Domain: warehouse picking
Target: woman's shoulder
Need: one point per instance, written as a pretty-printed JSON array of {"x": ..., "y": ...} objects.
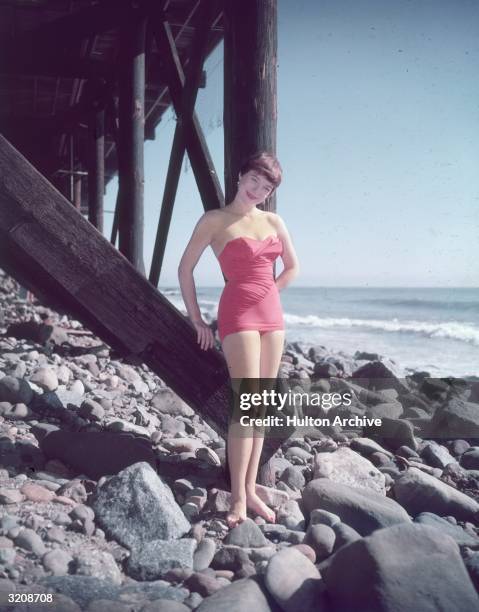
[
  {"x": 210, "y": 222},
  {"x": 275, "y": 219},
  {"x": 209, "y": 217}
]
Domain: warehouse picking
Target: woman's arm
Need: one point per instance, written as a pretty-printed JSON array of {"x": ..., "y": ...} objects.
[
  {"x": 200, "y": 239},
  {"x": 289, "y": 257}
]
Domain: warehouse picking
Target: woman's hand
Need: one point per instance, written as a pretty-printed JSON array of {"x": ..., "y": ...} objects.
[{"x": 205, "y": 334}]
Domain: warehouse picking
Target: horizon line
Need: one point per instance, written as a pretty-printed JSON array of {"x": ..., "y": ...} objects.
[{"x": 349, "y": 287}]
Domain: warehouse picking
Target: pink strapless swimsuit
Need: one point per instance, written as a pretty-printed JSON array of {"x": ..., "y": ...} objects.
[{"x": 250, "y": 298}]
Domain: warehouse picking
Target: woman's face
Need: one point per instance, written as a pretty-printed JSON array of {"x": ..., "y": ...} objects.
[{"x": 254, "y": 187}]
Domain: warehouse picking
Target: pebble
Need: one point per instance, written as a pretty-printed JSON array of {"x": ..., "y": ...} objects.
[
  {"x": 100, "y": 540},
  {"x": 45, "y": 378}
]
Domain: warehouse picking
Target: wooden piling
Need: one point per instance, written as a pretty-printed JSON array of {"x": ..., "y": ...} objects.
[
  {"x": 250, "y": 112},
  {"x": 250, "y": 107},
  {"x": 131, "y": 139},
  {"x": 96, "y": 169},
  {"x": 77, "y": 192}
]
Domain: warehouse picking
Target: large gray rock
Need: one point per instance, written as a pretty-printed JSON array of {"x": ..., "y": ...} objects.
[
  {"x": 456, "y": 419},
  {"x": 470, "y": 459},
  {"x": 98, "y": 563},
  {"x": 349, "y": 468},
  {"x": 294, "y": 582},
  {"x": 345, "y": 534},
  {"x": 321, "y": 538},
  {"x": 87, "y": 589},
  {"x": 167, "y": 402},
  {"x": 136, "y": 506},
  {"x": 407, "y": 567},
  {"x": 376, "y": 375},
  {"x": 367, "y": 447},
  {"x": 289, "y": 514},
  {"x": 15, "y": 390},
  {"x": 457, "y": 533},
  {"x": 247, "y": 533},
  {"x": 421, "y": 492},
  {"x": 153, "y": 559},
  {"x": 243, "y": 595},
  {"x": 362, "y": 509},
  {"x": 392, "y": 410},
  {"x": 471, "y": 562},
  {"x": 230, "y": 557},
  {"x": 393, "y": 433},
  {"x": 437, "y": 455},
  {"x": 204, "y": 554},
  {"x": 45, "y": 378}
]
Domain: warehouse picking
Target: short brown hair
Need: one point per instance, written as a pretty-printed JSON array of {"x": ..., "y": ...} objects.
[{"x": 266, "y": 164}]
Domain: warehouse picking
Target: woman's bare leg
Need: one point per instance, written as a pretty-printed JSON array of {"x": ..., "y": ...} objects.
[
  {"x": 272, "y": 344},
  {"x": 242, "y": 354}
]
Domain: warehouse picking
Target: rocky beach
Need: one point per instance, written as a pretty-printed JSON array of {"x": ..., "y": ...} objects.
[{"x": 113, "y": 492}]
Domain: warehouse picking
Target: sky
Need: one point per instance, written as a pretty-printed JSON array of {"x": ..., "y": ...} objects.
[{"x": 378, "y": 137}]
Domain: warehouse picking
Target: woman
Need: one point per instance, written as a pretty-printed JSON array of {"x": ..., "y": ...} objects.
[{"x": 246, "y": 241}]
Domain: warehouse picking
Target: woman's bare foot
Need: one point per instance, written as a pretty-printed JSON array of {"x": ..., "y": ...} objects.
[
  {"x": 256, "y": 504},
  {"x": 237, "y": 513}
]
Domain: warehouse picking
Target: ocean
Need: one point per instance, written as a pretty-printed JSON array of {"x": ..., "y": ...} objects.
[{"x": 432, "y": 329}]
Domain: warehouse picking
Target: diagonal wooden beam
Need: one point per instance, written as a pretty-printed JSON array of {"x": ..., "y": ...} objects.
[
  {"x": 54, "y": 251},
  {"x": 201, "y": 162},
  {"x": 183, "y": 126}
]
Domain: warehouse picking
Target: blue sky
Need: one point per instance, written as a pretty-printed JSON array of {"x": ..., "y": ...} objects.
[{"x": 378, "y": 136}]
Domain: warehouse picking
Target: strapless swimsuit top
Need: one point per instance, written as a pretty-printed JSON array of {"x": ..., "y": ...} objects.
[
  {"x": 250, "y": 298},
  {"x": 245, "y": 258}
]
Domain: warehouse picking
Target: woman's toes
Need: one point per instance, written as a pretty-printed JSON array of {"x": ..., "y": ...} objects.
[
  {"x": 232, "y": 519},
  {"x": 237, "y": 514},
  {"x": 258, "y": 506}
]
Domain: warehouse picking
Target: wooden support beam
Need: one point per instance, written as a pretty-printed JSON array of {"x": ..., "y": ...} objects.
[
  {"x": 131, "y": 139},
  {"x": 183, "y": 126},
  {"x": 203, "y": 168},
  {"x": 250, "y": 107},
  {"x": 55, "y": 252},
  {"x": 77, "y": 192},
  {"x": 96, "y": 168},
  {"x": 250, "y": 57}
]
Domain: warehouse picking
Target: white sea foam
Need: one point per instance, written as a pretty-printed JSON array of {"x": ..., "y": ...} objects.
[{"x": 452, "y": 330}]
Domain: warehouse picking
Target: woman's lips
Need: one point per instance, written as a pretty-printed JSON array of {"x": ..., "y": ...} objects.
[{"x": 251, "y": 197}]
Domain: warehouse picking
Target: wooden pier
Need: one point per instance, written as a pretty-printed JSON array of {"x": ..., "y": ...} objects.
[{"x": 83, "y": 85}]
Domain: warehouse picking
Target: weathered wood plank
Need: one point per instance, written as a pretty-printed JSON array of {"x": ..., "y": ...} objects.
[{"x": 54, "y": 251}]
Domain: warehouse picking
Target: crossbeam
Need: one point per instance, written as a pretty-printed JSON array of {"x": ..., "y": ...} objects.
[
  {"x": 183, "y": 127},
  {"x": 200, "y": 158}
]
